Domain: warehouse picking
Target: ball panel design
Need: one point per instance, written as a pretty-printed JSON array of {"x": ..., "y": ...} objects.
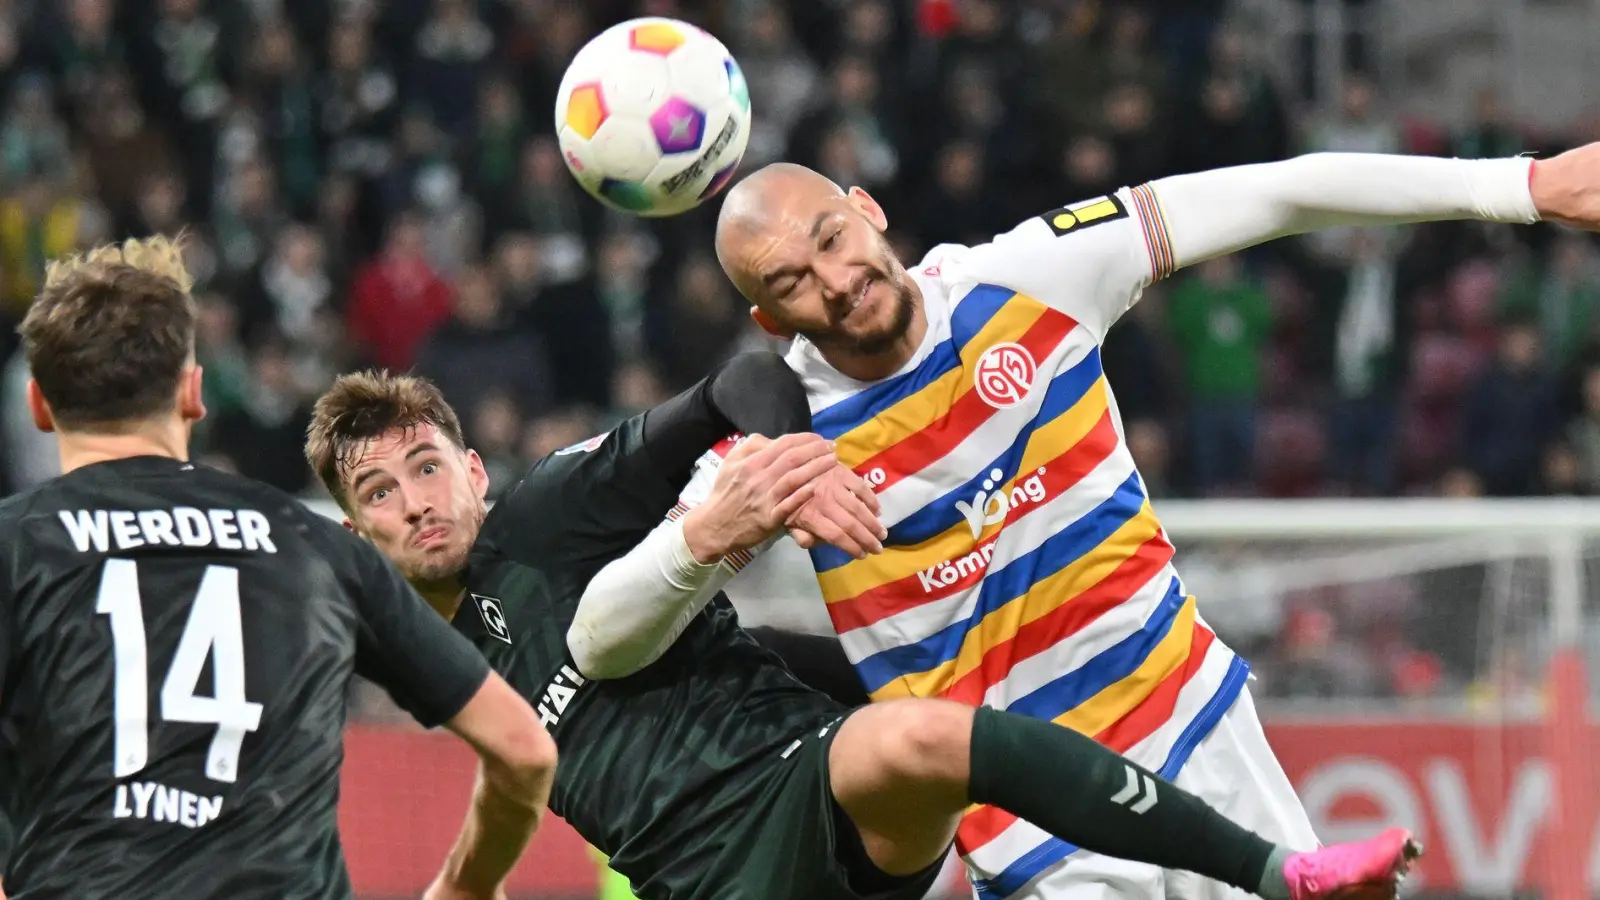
[
  {"x": 636, "y": 85},
  {"x": 698, "y": 75},
  {"x": 629, "y": 195},
  {"x": 623, "y": 148},
  {"x": 737, "y": 88},
  {"x": 656, "y": 37},
  {"x": 586, "y": 110},
  {"x": 678, "y": 126},
  {"x": 718, "y": 182}
]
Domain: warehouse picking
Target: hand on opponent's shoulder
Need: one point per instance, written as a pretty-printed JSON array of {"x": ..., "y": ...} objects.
[{"x": 794, "y": 482}]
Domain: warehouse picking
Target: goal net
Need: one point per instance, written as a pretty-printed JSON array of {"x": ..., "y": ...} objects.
[{"x": 1420, "y": 663}]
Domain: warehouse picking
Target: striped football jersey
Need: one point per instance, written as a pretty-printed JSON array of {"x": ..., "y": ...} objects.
[{"x": 1024, "y": 569}]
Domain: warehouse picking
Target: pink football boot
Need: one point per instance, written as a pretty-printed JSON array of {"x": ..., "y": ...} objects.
[{"x": 1365, "y": 870}]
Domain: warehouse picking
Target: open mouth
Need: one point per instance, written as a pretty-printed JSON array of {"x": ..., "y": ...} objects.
[{"x": 862, "y": 296}]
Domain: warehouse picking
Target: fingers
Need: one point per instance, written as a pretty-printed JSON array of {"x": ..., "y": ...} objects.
[
  {"x": 867, "y": 495},
  {"x": 838, "y": 516},
  {"x": 794, "y": 449},
  {"x": 856, "y": 500},
  {"x": 748, "y": 447},
  {"x": 858, "y": 527},
  {"x": 791, "y": 504},
  {"x": 803, "y": 538},
  {"x": 825, "y": 529},
  {"x": 806, "y": 472}
]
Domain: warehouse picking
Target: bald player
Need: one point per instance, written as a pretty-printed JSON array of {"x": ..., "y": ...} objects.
[{"x": 1024, "y": 569}]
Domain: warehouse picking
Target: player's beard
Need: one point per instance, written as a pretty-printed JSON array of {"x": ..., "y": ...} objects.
[
  {"x": 446, "y": 564},
  {"x": 879, "y": 340}
]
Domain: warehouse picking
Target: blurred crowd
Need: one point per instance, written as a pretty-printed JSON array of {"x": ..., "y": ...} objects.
[{"x": 378, "y": 183}]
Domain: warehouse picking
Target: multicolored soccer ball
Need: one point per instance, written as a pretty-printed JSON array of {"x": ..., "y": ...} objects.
[{"x": 653, "y": 116}]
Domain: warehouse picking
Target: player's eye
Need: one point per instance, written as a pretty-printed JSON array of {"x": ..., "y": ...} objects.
[
  {"x": 830, "y": 240},
  {"x": 377, "y": 495},
  {"x": 429, "y": 468}
]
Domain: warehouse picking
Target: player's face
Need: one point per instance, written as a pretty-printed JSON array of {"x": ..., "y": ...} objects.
[
  {"x": 419, "y": 499},
  {"x": 823, "y": 270}
]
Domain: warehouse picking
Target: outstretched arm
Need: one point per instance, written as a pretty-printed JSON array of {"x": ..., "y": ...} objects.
[
  {"x": 1212, "y": 213},
  {"x": 1092, "y": 260}
]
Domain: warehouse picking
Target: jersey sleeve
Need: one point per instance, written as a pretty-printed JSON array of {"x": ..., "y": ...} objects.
[
  {"x": 1091, "y": 260},
  {"x": 409, "y": 650},
  {"x": 591, "y": 502}
]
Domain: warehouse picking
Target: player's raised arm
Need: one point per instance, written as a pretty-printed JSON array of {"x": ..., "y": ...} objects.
[
  {"x": 1093, "y": 259},
  {"x": 1208, "y": 214}
]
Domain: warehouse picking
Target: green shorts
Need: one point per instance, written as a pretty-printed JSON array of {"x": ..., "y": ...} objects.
[{"x": 801, "y": 845}]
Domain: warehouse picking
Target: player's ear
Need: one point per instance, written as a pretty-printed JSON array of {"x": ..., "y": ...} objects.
[
  {"x": 770, "y": 325},
  {"x": 191, "y": 394},
  {"x": 39, "y": 409},
  {"x": 869, "y": 207},
  {"x": 477, "y": 474}
]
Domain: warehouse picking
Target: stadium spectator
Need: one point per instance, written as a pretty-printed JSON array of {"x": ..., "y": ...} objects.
[
  {"x": 1562, "y": 297},
  {"x": 272, "y": 415},
  {"x": 1582, "y": 433},
  {"x": 1491, "y": 131},
  {"x": 1221, "y": 321},
  {"x": 1369, "y": 329},
  {"x": 1509, "y": 413},
  {"x": 398, "y": 299},
  {"x": 474, "y": 355}
]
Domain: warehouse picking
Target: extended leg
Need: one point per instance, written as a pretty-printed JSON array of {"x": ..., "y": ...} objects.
[{"x": 904, "y": 771}]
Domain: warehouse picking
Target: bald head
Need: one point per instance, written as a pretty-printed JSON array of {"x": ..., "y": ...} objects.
[
  {"x": 813, "y": 261},
  {"x": 756, "y": 206}
]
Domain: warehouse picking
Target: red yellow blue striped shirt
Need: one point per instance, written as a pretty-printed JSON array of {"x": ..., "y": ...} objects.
[{"x": 1024, "y": 568}]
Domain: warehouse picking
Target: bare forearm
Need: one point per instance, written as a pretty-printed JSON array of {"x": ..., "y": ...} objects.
[
  {"x": 1212, "y": 213},
  {"x": 505, "y": 813}
]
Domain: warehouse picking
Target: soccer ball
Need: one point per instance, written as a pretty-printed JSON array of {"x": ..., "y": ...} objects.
[{"x": 653, "y": 116}]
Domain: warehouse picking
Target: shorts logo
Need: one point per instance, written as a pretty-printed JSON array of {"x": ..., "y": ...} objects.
[
  {"x": 494, "y": 617},
  {"x": 1004, "y": 375},
  {"x": 1083, "y": 215}
]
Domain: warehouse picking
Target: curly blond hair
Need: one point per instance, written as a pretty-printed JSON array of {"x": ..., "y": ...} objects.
[
  {"x": 160, "y": 256},
  {"x": 111, "y": 333}
]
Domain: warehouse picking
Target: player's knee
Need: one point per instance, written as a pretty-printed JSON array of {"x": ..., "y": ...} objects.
[{"x": 927, "y": 741}]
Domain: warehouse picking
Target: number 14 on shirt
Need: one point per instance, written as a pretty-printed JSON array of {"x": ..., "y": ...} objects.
[{"x": 214, "y": 630}]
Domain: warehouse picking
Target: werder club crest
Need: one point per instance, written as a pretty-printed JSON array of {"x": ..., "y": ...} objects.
[{"x": 494, "y": 617}]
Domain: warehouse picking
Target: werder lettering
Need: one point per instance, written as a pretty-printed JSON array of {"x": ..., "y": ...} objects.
[{"x": 100, "y": 530}]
